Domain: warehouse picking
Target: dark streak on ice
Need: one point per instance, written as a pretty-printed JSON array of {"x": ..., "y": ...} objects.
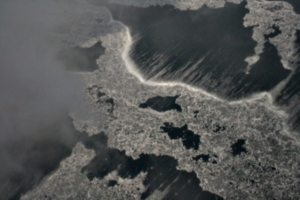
[
  {"x": 217, "y": 128},
  {"x": 162, "y": 104},
  {"x": 189, "y": 139},
  {"x": 112, "y": 103},
  {"x": 196, "y": 112},
  {"x": 161, "y": 171}
]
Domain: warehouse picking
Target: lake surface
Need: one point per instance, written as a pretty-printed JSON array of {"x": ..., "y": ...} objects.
[
  {"x": 205, "y": 48},
  {"x": 290, "y": 95},
  {"x": 162, "y": 104}
]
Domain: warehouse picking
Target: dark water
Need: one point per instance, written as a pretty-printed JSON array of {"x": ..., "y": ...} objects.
[
  {"x": 276, "y": 32},
  {"x": 112, "y": 104},
  {"x": 203, "y": 157},
  {"x": 204, "y": 48},
  {"x": 102, "y": 98},
  {"x": 206, "y": 158},
  {"x": 189, "y": 139},
  {"x": 35, "y": 157},
  {"x": 294, "y": 3},
  {"x": 162, "y": 104},
  {"x": 81, "y": 59},
  {"x": 161, "y": 171},
  {"x": 238, "y": 147},
  {"x": 290, "y": 95},
  {"x": 292, "y": 90},
  {"x": 262, "y": 73},
  {"x": 112, "y": 183},
  {"x": 218, "y": 128}
]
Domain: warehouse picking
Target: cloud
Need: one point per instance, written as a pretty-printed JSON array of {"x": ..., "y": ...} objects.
[{"x": 35, "y": 91}]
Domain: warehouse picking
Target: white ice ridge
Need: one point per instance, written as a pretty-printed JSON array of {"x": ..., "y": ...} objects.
[
  {"x": 283, "y": 17},
  {"x": 133, "y": 69}
]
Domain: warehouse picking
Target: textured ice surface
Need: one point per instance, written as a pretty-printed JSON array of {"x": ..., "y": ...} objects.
[{"x": 268, "y": 170}]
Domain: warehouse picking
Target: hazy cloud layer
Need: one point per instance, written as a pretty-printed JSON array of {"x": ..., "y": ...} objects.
[{"x": 36, "y": 92}]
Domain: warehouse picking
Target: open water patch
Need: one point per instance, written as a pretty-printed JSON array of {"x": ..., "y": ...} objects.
[
  {"x": 162, "y": 173},
  {"x": 162, "y": 104},
  {"x": 189, "y": 139},
  {"x": 238, "y": 147},
  {"x": 205, "y": 48}
]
